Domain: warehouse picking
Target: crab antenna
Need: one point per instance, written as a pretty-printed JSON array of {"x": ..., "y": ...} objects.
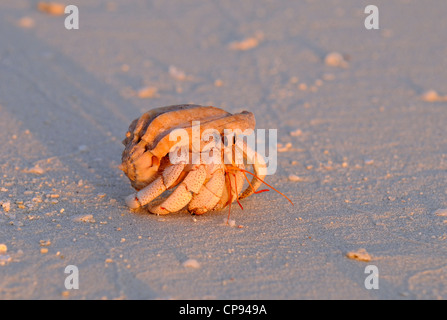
[
  {"x": 234, "y": 167},
  {"x": 229, "y": 198},
  {"x": 237, "y": 193},
  {"x": 230, "y": 192},
  {"x": 251, "y": 186},
  {"x": 245, "y": 171}
]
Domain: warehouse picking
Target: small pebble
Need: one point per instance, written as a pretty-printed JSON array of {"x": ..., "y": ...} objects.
[
  {"x": 284, "y": 148},
  {"x": 247, "y": 43},
  {"x": 294, "y": 79},
  {"x": 433, "y": 96},
  {"x": 229, "y": 222},
  {"x": 177, "y": 73},
  {"x": 148, "y": 92},
  {"x": 125, "y": 67},
  {"x": 191, "y": 263},
  {"x": 44, "y": 243},
  {"x": 302, "y": 86},
  {"x": 52, "y": 8},
  {"x": 84, "y": 218},
  {"x": 296, "y": 133},
  {"x": 295, "y": 178},
  {"x": 26, "y": 22},
  {"x": 335, "y": 59},
  {"x": 6, "y": 206},
  {"x": 35, "y": 170},
  {"x": 37, "y": 200},
  {"x": 3, "y": 248},
  {"x": 4, "y": 259},
  {"x": 50, "y": 195}
]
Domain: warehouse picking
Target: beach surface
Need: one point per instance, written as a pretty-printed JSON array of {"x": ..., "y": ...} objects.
[{"x": 361, "y": 118}]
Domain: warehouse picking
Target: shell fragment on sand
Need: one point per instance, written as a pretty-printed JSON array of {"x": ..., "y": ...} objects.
[
  {"x": 84, "y": 218},
  {"x": 35, "y": 170},
  {"x": 441, "y": 212},
  {"x": 247, "y": 43},
  {"x": 360, "y": 255},
  {"x": 191, "y": 263},
  {"x": 295, "y": 178}
]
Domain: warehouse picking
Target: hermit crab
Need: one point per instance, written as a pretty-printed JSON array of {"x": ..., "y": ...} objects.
[{"x": 155, "y": 160}]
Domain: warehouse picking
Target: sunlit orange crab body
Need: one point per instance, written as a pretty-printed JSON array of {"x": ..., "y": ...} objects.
[{"x": 202, "y": 187}]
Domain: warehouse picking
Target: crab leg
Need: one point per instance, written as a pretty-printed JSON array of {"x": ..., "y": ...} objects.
[
  {"x": 156, "y": 188},
  {"x": 183, "y": 193},
  {"x": 259, "y": 167},
  {"x": 210, "y": 193},
  {"x": 234, "y": 182}
]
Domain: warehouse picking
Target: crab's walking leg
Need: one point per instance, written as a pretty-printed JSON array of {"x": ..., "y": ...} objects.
[
  {"x": 183, "y": 193},
  {"x": 210, "y": 193},
  {"x": 234, "y": 182},
  {"x": 157, "y": 187},
  {"x": 259, "y": 167}
]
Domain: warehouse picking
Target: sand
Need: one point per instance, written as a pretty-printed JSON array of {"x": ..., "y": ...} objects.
[{"x": 369, "y": 147}]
